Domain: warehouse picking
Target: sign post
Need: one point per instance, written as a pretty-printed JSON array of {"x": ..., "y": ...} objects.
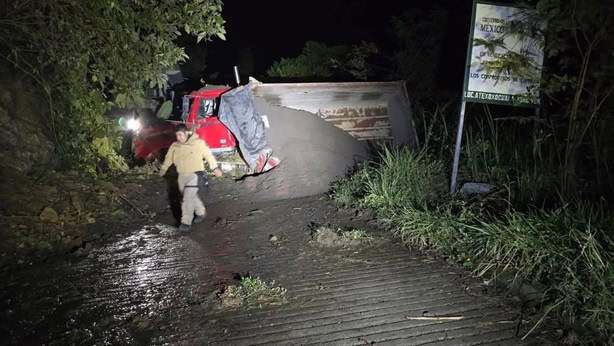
[
  {"x": 459, "y": 138},
  {"x": 504, "y": 62}
]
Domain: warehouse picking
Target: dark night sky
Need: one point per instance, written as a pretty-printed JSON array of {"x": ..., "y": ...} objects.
[{"x": 276, "y": 29}]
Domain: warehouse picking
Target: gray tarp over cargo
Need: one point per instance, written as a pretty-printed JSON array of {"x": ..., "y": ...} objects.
[
  {"x": 313, "y": 153},
  {"x": 238, "y": 114}
]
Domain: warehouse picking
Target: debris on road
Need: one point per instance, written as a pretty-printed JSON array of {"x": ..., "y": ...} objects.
[
  {"x": 252, "y": 292},
  {"x": 434, "y": 318},
  {"x": 49, "y": 215},
  {"x": 329, "y": 237}
]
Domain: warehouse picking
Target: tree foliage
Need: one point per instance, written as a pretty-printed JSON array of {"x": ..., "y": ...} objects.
[
  {"x": 88, "y": 55},
  {"x": 416, "y": 57},
  {"x": 318, "y": 60},
  {"x": 315, "y": 60},
  {"x": 577, "y": 85},
  {"x": 579, "y": 42},
  {"x": 355, "y": 62}
]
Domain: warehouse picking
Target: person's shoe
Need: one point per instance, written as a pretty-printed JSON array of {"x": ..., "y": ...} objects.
[
  {"x": 184, "y": 228},
  {"x": 199, "y": 218}
]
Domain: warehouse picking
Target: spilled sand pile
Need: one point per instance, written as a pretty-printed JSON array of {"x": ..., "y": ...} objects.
[{"x": 313, "y": 154}]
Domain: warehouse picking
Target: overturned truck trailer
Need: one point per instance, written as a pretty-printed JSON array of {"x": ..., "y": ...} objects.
[
  {"x": 319, "y": 131},
  {"x": 365, "y": 110}
]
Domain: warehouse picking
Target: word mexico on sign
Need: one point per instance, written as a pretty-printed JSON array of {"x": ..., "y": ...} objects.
[{"x": 504, "y": 60}]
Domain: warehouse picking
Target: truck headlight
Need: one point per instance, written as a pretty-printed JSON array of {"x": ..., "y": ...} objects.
[{"x": 133, "y": 124}]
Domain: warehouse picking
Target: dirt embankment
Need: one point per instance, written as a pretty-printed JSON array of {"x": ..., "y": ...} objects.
[
  {"x": 26, "y": 143},
  {"x": 64, "y": 213}
]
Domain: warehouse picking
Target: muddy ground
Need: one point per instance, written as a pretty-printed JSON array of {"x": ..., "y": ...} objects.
[{"x": 123, "y": 275}]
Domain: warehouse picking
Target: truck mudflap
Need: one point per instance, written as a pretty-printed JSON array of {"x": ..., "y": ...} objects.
[{"x": 265, "y": 162}]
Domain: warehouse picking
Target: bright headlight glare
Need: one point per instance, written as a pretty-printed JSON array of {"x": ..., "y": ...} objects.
[{"x": 133, "y": 124}]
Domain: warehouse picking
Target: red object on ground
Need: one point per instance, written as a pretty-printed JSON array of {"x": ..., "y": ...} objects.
[{"x": 200, "y": 110}]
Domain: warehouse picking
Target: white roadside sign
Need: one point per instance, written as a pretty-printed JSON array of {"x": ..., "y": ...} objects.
[{"x": 502, "y": 40}]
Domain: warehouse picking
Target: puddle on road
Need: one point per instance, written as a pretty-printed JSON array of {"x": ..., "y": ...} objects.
[{"x": 128, "y": 291}]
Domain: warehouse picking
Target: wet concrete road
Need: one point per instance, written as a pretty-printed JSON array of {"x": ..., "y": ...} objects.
[{"x": 149, "y": 285}]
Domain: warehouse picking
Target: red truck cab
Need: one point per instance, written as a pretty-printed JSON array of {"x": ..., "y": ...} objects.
[
  {"x": 200, "y": 109},
  {"x": 200, "y": 112}
]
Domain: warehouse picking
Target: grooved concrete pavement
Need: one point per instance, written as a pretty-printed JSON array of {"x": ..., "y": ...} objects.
[{"x": 150, "y": 286}]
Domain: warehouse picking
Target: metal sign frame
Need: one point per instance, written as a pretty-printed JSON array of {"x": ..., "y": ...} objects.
[
  {"x": 483, "y": 96},
  {"x": 513, "y": 90}
]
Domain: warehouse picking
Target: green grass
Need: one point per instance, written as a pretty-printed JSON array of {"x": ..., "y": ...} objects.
[
  {"x": 357, "y": 234},
  {"x": 340, "y": 237},
  {"x": 395, "y": 181},
  {"x": 254, "y": 292},
  {"x": 517, "y": 152}
]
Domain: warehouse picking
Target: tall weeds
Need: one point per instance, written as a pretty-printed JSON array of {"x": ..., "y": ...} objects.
[
  {"x": 400, "y": 179},
  {"x": 505, "y": 151}
]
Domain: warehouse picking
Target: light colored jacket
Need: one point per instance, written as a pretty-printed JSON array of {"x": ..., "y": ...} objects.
[{"x": 188, "y": 157}]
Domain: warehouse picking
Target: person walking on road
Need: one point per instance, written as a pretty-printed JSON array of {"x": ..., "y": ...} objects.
[{"x": 187, "y": 154}]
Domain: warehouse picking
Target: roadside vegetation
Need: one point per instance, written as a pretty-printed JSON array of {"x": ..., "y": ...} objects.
[
  {"x": 357, "y": 234},
  {"x": 83, "y": 57},
  {"x": 252, "y": 292},
  {"x": 340, "y": 238}
]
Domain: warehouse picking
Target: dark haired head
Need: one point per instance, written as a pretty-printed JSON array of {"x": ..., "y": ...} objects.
[{"x": 181, "y": 128}]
